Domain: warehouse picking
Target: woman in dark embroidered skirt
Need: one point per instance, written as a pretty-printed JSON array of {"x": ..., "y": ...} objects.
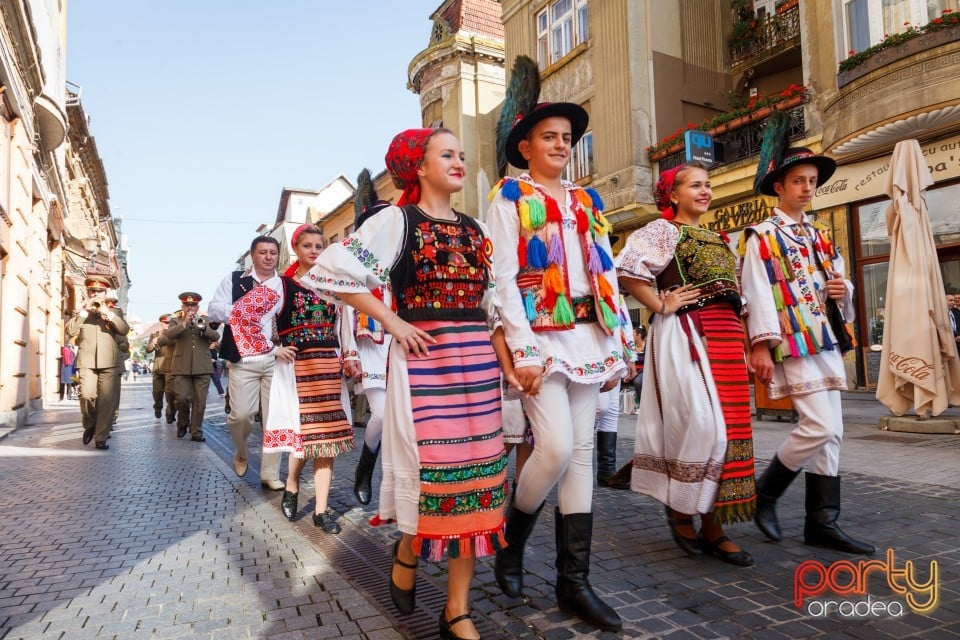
[
  {"x": 694, "y": 446},
  {"x": 444, "y": 465}
]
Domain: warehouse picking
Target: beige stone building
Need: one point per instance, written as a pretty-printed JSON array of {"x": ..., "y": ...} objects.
[{"x": 55, "y": 227}]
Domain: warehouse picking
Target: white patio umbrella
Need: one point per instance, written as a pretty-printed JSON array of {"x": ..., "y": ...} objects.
[{"x": 919, "y": 367}]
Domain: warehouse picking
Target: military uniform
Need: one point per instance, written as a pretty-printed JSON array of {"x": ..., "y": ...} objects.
[
  {"x": 123, "y": 346},
  {"x": 192, "y": 367},
  {"x": 160, "y": 352},
  {"x": 95, "y": 332}
]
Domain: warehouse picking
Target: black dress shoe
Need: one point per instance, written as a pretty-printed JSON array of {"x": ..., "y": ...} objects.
[
  {"x": 170, "y": 419},
  {"x": 740, "y": 558},
  {"x": 326, "y": 521},
  {"x": 288, "y": 504},
  {"x": 157, "y": 412},
  {"x": 444, "y": 625},
  {"x": 101, "y": 445},
  {"x": 181, "y": 431},
  {"x": 405, "y": 600},
  {"x": 690, "y": 546},
  {"x": 87, "y": 436},
  {"x": 198, "y": 438}
]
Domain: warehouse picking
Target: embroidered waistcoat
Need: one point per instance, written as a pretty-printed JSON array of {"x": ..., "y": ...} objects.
[
  {"x": 703, "y": 260},
  {"x": 442, "y": 272},
  {"x": 306, "y": 320}
]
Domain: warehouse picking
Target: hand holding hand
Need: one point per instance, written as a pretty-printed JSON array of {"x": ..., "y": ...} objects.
[
  {"x": 529, "y": 378},
  {"x": 351, "y": 369},
  {"x": 287, "y": 354}
]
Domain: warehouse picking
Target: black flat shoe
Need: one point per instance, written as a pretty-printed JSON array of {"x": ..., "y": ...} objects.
[
  {"x": 102, "y": 445},
  {"x": 405, "y": 600},
  {"x": 157, "y": 412},
  {"x": 181, "y": 431},
  {"x": 326, "y": 521},
  {"x": 740, "y": 558},
  {"x": 689, "y": 546},
  {"x": 87, "y": 436},
  {"x": 288, "y": 504},
  {"x": 170, "y": 419},
  {"x": 444, "y": 625},
  {"x": 198, "y": 438}
]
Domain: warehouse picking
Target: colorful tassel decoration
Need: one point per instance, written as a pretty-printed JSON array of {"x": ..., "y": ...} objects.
[
  {"x": 609, "y": 317},
  {"x": 605, "y": 258},
  {"x": 604, "y": 288},
  {"x": 555, "y": 251},
  {"x": 594, "y": 263},
  {"x": 583, "y": 198},
  {"x": 801, "y": 345},
  {"x": 562, "y": 312},
  {"x": 553, "y": 211},
  {"x": 784, "y": 319},
  {"x": 771, "y": 275},
  {"x": 595, "y": 198},
  {"x": 525, "y": 188},
  {"x": 582, "y": 223},
  {"x": 764, "y": 248},
  {"x": 524, "y": 210},
  {"x": 538, "y": 214},
  {"x": 536, "y": 253},
  {"x": 552, "y": 280},
  {"x": 777, "y": 298},
  {"x": 811, "y": 343},
  {"x": 522, "y": 252},
  {"x": 511, "y": 189},
  {"x": 529, "y": 305},
  {"x": 828, "y": 344},
  {"x": 793, "y": 320},
  {"x": 794, "y": 352}
]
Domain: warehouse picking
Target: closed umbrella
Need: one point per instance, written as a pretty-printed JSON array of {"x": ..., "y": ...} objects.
[{"x": 919, "y": 367}]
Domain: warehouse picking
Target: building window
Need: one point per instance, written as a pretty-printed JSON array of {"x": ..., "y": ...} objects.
[
  {"x": 868, "y": 22},
  {"x": 581, "y": 159},
  {"x": 561, "y": 26}
]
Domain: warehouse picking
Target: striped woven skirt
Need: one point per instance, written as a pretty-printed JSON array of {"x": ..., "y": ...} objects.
[
  {"x": 325, "y": 431},
  {"x": 736, "y": 497},
  {"x": 455, "y": 400}
]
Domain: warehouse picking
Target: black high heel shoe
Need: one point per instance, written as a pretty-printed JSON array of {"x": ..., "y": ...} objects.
[
  {"x": 689, "y": 545},
  {"x": 405, "y": 600},
  {"x": 712, "y": 547},
  {"x": 446, "y": 633}
]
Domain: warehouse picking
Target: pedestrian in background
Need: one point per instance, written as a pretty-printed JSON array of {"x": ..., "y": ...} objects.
[
  {"x": 444, "y": 465},
  {"x": 694, "y": 442},
  {"x": 791, "y": 272},
  {"x": 95, "y": 329},
  {"x": 191, "y": 336},
  {"x": 248, "y": 382},
  {"x": 67, "y": 369}
]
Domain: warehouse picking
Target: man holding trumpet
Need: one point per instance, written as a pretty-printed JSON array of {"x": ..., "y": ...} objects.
[
  {"x": 191, "y": 336},
  {"x": 96, "y": 328}
]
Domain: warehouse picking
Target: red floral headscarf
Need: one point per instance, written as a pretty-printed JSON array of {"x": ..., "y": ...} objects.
[
  {"x": 299, "y": 231},
  {"x": 403, "y": 159},
  {"x": 664, "y": 190}
]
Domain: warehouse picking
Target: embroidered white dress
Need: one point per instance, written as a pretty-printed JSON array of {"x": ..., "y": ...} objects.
[
  {"x": 809, "y": 373},
  {"x": 680, "y": 425}
]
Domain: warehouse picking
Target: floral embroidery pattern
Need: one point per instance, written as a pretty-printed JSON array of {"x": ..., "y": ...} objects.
[
  {"x": 463, "y": 503},
  {"x": 366, "y": 258},
  {"x": 463, "y": 474}
]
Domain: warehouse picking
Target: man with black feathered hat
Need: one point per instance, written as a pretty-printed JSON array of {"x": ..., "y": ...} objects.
[{"x": 792, "y": 274}]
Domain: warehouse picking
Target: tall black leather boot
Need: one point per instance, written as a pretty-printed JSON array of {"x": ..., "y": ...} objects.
[
  {"x": 823, "y": 509},
  {"x": 363, "y": 479},
  {"x": 508, "y": 566},
  {"x": 574, "y": 593},
  {"x": 606, "y": 456},
  {"x": 771, "y": 486}
]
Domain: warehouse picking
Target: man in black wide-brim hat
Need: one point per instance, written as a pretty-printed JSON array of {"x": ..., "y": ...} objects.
[{"x": 792, "y": 274}]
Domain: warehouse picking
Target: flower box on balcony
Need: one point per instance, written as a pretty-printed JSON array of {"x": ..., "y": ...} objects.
[{"x": 899, "y": 46}]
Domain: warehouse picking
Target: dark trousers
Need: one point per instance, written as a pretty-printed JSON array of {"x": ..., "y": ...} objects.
[
  {"x": 192, "y": 401},
  {"x": 97, "y": 389}
]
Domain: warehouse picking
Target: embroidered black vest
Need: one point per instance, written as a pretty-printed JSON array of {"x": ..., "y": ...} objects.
[
  {"x": 441, "y": 273},
  {"x": 241, "y": 285},
  {"x": 306, "y": 320},
  {"x": 704, "y": 260}
]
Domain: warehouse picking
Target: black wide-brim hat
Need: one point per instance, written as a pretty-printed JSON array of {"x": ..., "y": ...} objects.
[
  {"x": 796, "y": 156},
  {"x": 576, "y": 114}
]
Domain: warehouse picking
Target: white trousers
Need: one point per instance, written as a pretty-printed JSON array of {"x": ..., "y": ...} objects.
[
  {"x": 815, "y": 442},
  {"x": 249, "y": 386},
  {"x": 608, "y": 410},
  {"x": 377, "y": 399},
  {"x": 562, "y": 419}
]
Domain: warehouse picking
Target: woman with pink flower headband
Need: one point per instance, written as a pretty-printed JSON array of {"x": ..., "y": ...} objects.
[{"x": 694, "y": 445}]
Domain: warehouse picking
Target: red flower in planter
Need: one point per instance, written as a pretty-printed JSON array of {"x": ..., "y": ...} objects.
[{"x": 937, "y": 21}]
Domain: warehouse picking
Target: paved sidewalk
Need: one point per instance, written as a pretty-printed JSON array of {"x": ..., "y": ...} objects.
[{"x": 158, "y": 538}]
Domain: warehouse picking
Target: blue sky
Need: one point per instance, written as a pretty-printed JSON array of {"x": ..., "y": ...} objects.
[{"x": 204, "y": 111}]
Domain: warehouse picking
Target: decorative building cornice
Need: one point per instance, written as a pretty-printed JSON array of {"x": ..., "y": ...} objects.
[{"x": 467, "y": 47}]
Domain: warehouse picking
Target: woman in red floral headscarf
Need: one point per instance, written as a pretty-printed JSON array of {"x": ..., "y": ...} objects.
[
  {"x": 694, "y": 446},
  {"x": 444, "y": 465}
]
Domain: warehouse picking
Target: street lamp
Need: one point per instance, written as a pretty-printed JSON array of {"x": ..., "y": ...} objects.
[{"x": 91, "y": 245}]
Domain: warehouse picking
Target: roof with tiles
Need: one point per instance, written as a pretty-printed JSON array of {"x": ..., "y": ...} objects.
[{"x": 482, "y": 17}]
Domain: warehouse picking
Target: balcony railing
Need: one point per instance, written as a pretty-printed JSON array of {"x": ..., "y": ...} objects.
[
  {"x": 739, "y": 143},
  {"x": 768, "y": 38}
]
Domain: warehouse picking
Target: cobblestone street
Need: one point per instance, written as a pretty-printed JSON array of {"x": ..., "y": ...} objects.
[{"x": 158, "y": 538}]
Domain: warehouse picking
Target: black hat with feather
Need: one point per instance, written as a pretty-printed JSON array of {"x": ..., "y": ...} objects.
[
  {"x": 365, "y": 202},
  {"x": 776, "y": 158},
  {"x": 521, "y": 113}
]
